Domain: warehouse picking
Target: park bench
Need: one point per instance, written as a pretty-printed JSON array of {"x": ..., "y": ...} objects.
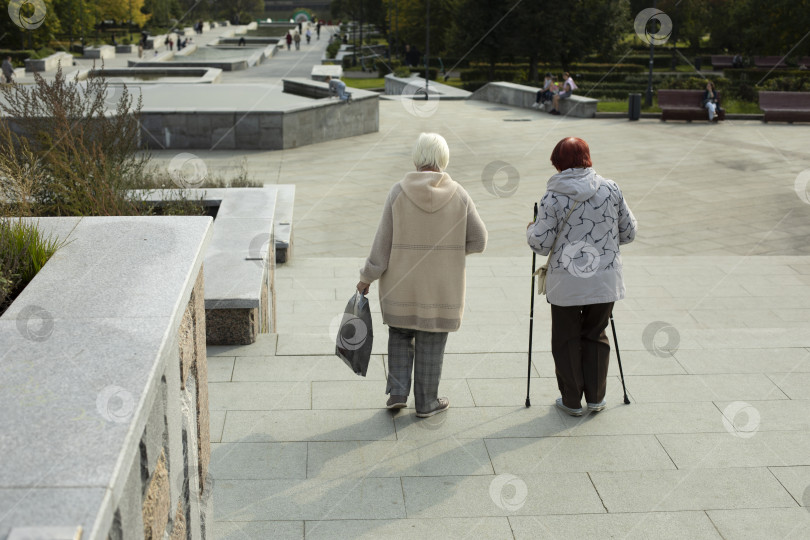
[
  {"x": 684, "y": 105},
  {"x": 769, "y": 62},
  {"x": 722, "y": 61},
  {"x": 785, "y": 106},
  {"x": 519, "y": 95},
  {"x": 306, "y": 88}
]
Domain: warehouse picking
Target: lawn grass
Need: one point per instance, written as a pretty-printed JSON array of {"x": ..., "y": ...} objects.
[
  {"x": 365, "y": 84},
  {"x": 732, "y": 106}
]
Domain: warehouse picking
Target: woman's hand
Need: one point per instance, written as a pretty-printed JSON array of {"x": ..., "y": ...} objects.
[{"x": 362, "y": 287}]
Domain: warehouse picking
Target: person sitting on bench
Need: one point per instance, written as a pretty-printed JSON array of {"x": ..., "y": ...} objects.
[
  {"x": 547, "y": 92},
  {"x": 568, "y": 88},
  {"x": 711, "y": 101}
]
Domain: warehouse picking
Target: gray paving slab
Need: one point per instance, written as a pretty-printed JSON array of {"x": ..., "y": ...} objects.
[
  {"x": 450, "y": 528},
  {"x": 753, "y": 524},
  {"x": 792, "y": 384},
  {"x": 658, "y": 525},
  {"x": 220, "y": 368},
  {"x": 578, "y": 454},
  {"x": 778, "y": 415},
  {"x": 259, "y": 396},
  {"x": 703, "y": 489},
  {"x": 695, "y": 388},
  {"x": 783, "y": 360},
  {"x": 482, "y": 422},
  {"x": 312, "y": 499},
  {"x": 317, "y": 425},
  {"x": 239, "y": 530},
  {"x": 258, "y": 461},
  {"x": 648, "y": 418},
  {"x": 441, "y": 457},
  {"x": 302, "y": 368},
  {"x": 500, "y": 495},
  {"x": 360, "y": 394},
  {"x": 797, "y": 481},
  {"x": 726, "y": 450},
  {"x": 217, "y": 424}
]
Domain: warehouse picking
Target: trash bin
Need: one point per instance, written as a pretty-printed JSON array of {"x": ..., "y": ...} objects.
[{"x": 634, "y": 106}]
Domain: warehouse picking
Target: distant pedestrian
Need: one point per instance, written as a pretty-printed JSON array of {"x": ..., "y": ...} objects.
[
  {"x": 8, "y": 70},
  {"x": 140, "y": 50},
  {"x": 288, "y": 39},
  {"x": 318, "y": 29},
  {"x": 242, "y": 41},
  {"x": 309, "y": 35},
  {"x": 297, "y": 39},
  {"x": 412, "y": 56}
]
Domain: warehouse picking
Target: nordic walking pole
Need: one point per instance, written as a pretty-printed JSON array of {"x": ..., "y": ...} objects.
[
  {"x": 531, "y": 323},
  {"x": 619, "y": 358}
]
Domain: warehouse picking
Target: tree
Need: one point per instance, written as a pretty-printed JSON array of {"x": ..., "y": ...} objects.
[
  {"x": 481, "y": 31},
  {"x": 744, "y": 26},
  {"x": 122, "y": 10}
]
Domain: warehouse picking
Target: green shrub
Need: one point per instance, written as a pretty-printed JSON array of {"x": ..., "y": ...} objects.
[
  {"x": 787, "y": 84},
  {"x": 23, "y": 252},
  {"x": 333, "y": 48},
  {"x": 402, "y": 71},
  {"x": 384, "y": 67}
]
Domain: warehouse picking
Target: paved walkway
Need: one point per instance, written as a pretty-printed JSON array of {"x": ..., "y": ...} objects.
[
  {"x": 714, "y": 336},
  {"x": 714, "y": 339}
]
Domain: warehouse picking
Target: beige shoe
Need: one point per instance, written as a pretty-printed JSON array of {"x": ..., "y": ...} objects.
[{"x": 444, "y": 404}]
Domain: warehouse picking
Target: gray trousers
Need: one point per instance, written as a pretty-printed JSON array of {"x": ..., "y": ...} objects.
[{"x": 426, "y": 365}]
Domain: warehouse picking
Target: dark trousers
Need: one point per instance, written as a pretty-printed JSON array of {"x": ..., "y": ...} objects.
[{"x": 581, "y": 351}]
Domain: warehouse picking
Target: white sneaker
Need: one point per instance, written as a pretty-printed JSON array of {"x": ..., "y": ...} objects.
[
  {"x": 596, "y": 407},
  {"x": 535, "y": 105},
  {"x": 569, "y": 410}
]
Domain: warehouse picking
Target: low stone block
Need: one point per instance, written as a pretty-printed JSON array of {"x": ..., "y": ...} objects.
[
  {"x": 231, "y": 326},
  {"x": 157, "y": 503}
]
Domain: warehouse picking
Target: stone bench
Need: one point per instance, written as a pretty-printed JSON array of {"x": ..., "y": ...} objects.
[
  {"x": 684, "y": 105},
  {"x": 306, "y": 88},
  {"x": 105, "y": 386},
  {"x": 124, "y": 49},
  {"x": 519, "y": 95},
  {"x": 49, "y": 63},
  {"x": 785, "y": 106},
  {"x": 240, "y": 261},
  {"x": 320, "y": 72},
  {"x": 103, "y": 51},
  {"x": 283, "y": 226}
]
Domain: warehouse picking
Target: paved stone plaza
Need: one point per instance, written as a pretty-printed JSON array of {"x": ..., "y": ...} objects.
[{"x": 713, "y": 333}]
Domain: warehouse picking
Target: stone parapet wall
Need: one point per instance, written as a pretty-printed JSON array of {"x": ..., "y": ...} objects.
[{"x": 114, "y": 436}]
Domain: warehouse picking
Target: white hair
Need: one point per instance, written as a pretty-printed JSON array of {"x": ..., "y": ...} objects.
[{"x": 431, "y": 151}]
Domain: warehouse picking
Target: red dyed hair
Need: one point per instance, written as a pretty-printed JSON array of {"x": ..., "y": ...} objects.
[{"x": 571, "y": 152}]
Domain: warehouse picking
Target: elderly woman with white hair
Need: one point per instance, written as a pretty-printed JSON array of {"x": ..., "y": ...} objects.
[{"x": 429, "y": 224}]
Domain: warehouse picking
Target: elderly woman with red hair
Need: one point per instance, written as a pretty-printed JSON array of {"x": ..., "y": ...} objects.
[{"x": 582, "y": 220}]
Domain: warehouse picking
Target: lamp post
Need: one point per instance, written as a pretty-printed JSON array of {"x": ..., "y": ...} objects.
[
  {"x": 652, "y": 58},
  {"x": 427, "y": 50}
]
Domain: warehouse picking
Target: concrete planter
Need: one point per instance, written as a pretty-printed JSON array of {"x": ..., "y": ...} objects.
[
  {"x": 105, "y": 385},
  {"x": 104, "y": 51},
  {"x": 49, "y": 63}
]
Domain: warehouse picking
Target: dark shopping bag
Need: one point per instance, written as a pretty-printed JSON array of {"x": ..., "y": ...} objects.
[{"x": 355, "y": 335}]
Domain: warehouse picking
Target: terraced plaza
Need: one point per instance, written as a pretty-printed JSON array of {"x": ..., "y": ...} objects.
[{"x": 714, "y": 337}]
